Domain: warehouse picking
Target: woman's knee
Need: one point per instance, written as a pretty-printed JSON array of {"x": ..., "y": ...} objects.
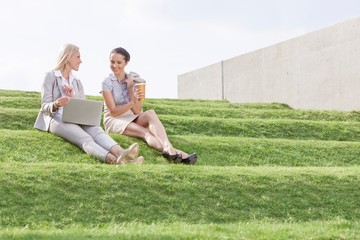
[
  {"x": 84, "y": 141},
  {"x": 94, "y": 131},
  {"x": 152, "y": 141},
  {"x": 151, "y": 114},
  {"x": 148, "y": 136}
]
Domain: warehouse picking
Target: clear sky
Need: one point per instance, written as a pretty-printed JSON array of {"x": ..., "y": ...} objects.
[{"x": 165, "y": 38}]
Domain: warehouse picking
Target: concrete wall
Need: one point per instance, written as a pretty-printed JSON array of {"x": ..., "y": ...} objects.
[
  {"x": 205, "y": 83},
  {"x": 319, "y": 70}
]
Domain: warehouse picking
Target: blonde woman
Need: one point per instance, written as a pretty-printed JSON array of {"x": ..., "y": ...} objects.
[{"x": 58, "y": 87}]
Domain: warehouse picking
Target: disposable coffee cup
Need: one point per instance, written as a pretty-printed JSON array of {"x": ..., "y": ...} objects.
[{"x": 141, "y": 87}]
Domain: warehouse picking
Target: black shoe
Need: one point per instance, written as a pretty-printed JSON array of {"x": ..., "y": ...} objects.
[
  {"x": 191, "y": 160},
  {"x": 176, "y": 158}
]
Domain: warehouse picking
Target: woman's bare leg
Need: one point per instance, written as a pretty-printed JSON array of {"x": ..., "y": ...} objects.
[
  {"x": 151, "y": 121},
  {"x": 135, "y": 130}
]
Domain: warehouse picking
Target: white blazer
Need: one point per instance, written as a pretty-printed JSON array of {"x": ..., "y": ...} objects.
[{"x": 50, "y": 92}]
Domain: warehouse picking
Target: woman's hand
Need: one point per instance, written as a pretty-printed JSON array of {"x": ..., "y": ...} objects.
[
  {"x": 130, "y": 87},
  {"x": 130, "y": 84},
  {"x": 139, "y": 94},
  {"x": 60, "y": 102},
  {"x": 69, "y": 91}
]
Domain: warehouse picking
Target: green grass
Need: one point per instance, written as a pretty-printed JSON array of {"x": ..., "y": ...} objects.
[
  {"x": 212, "y": 104},
  {"x": 265, "y": 171},
  {"x": 249, "y": 113},
  {"x": 339, "y": 229},
  {"x": 23, "y": 146},
  {"x": 206, "y": 126},
  {"x": 219, "y": 109},
  {"x": 64, "y": 193},
  {"x": 20, "y": 94},
  {"x": 288, "y": 129}
]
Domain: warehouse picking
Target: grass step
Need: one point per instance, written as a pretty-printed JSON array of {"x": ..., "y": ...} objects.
[
  {"x": 18, "y": 93},
  {"x": 20, "y": 102},
  {"x": 60, "y": 194},
  {"x": 246, "y": 113},
  {"x": 27, "y": 101},
  {"x": 218, "y": 112},
  {"x": 256, "y": 128},
  {"x": 197, "y": 108},
  {"x": 165, "y": 102},
  {"x": 34, "y": 146},
  {"x": 234, "y": 151},
  {"x": 265, "y": 171},
  {"x": 17, "y": 119},
  {"x": 153, "y": 103},
  {"x": 335, "y": 229}
]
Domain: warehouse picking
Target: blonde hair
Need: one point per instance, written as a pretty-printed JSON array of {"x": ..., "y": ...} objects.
[{"x": 66, "y": 52}]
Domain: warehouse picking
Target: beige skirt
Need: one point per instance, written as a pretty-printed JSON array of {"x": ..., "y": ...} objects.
[{"x": 118, "y": 124}]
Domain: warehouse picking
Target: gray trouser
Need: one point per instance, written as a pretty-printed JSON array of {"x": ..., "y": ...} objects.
[{"x": 92, "y": 139}]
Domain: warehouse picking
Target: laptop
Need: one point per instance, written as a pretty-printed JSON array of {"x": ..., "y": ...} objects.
[{"x": 83, "y": 111}]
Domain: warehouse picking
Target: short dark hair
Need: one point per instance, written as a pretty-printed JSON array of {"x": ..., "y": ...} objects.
[{"x": 123, "y": 52}]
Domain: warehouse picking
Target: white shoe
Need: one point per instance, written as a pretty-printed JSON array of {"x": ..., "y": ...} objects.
[
  {"x": 138, "y": 160},
  {"x": 129, "y": 154},
  {"x": 133, "y": 151}
]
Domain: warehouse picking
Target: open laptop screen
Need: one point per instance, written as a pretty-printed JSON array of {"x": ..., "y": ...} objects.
[{"x": 83, "y": 111}]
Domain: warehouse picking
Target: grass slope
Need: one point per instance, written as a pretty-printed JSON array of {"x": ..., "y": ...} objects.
[
  {"x": 206, "y": 126},
  {"x": 339, "y": 229},
  {"x": 265, "y": 171},
  {"x": 23, "y": 146},
  {"x": 62, "y": 193}
]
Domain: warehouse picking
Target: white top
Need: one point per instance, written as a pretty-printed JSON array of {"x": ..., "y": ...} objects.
[{"x": 63, "y": 83}]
